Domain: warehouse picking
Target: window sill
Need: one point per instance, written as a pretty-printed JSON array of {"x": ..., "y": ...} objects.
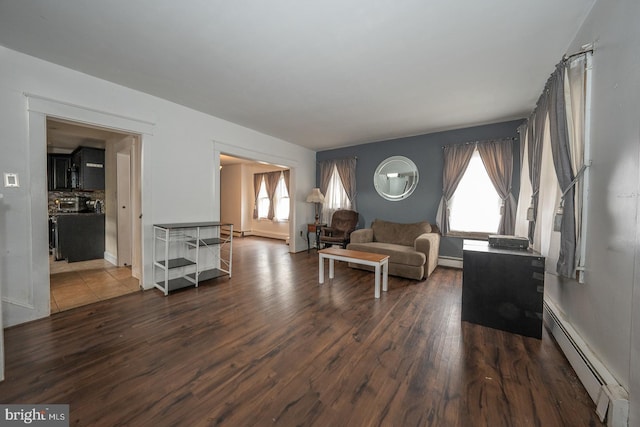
[
  {"x": 274, "y": 221},
  {"x": 469, "y": 235}
]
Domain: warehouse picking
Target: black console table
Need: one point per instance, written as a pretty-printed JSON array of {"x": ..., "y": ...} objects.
[{"x": 503, "y": 288}]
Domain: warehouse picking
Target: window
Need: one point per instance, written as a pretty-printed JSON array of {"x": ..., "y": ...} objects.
[
  {"x": 281, "y": 200},
  {"x": 336, "y": 197},
  {"x": 263, "y": 201},
  {"x": 475, "y": 206}
]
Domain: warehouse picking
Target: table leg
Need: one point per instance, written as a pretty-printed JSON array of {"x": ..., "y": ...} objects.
[
  {"x": 377, "y": 282},
  {"x": 321, "y": 269},
  {"x": 385, "y": 276},
  {"x": 330, "y": 268}
]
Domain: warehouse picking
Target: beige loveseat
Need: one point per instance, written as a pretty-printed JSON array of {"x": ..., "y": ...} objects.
[{"x": 412, "y": 248}]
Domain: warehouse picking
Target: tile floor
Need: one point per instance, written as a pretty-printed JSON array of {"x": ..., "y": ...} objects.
[{"x": 81, "y": 283}]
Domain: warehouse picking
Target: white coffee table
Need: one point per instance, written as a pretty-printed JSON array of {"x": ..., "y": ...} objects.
[{"x": 379, "y": 261}]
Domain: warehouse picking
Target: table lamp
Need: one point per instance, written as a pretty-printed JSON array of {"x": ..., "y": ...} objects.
[{"x": 315, "y": 196}]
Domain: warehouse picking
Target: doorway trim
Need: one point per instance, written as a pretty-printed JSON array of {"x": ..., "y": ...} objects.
[
  {"x": 38, "y": 109},
  {"x": 258, "y": 156},
  {"x": 124, "y": 220}
]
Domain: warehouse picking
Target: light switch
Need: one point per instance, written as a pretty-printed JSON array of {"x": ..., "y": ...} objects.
[{"x": 11, "y": 180}]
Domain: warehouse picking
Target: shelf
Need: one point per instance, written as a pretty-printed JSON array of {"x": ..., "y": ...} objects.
[
  {"x": 204, "y": 275},
  {"x": 185, "y": 254},
  {"x": 176, "y": 263},
  {"x": 208, "y": 242},
  {"x": 177, "y": 283}
]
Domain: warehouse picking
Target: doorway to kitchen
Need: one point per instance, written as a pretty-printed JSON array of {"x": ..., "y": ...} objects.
[{"x": 93, "y": 195}]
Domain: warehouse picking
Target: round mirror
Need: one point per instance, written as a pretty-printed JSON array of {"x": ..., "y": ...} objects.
[{"x": 396, "y": 178}]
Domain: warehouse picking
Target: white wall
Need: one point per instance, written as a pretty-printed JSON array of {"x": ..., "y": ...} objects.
[
  {"x": 179, "y": 166},
  {"x": 606, "y": 309},
  {"x": 231, "y": 197}
]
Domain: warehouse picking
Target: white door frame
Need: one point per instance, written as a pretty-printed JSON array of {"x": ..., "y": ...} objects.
[
  {"x": 39, "y": 108},
  {"x": 124, "y": 215},
  {"x": 232, "y": 150}
]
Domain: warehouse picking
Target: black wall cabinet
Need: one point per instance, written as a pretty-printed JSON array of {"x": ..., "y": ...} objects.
[
  {"x": 59, "y": 172},
  {"x": 90, "y": 168}
]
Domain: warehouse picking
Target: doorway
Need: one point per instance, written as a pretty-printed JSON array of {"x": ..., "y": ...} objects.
[
  {"x": 117, "y": 272},
  {"x": 237, "y": 192}
]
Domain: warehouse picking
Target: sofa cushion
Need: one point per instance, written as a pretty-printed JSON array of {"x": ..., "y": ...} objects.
[
  {"x": 401, "y": 234},
  {"x": 400, "y": 254}
]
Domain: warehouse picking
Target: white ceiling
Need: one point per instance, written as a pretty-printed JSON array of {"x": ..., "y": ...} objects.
[
  {"x": 64, "y": 136},
  {"x": 321, "y": 74}
]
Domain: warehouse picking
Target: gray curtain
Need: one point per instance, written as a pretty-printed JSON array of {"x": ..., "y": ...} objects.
[
  {"x": 257, "y": 180},
  {"x": 271, "y": 183},
  {"x": 561, "y": 150},
  {"x": 326, "y": 169},
  {"x": 522, "y": 131},
  {"x": 456, "y": 160},
  {"x": 347, "y": 172},
  {"x": 535, "y": 136},
  {"x": 497, "y": 157},
  {"x": 287, "y": 174}
]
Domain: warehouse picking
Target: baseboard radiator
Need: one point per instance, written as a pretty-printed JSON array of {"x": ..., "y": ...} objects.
[
  {"x": 267, "y": 234},
  {"x": 611, "y": 399}
]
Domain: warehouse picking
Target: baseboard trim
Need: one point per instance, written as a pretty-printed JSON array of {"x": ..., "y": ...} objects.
[
  {"x": 111, "y": 258},
  {"x": 448, "y": 261}
]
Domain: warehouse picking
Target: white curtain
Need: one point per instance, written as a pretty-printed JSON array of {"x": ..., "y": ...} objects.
[
  {"x": 545, "y": 240},
  {"x": 524, "y": 196},
  {"x": 575, "y": 99},
  {"x": 335, "y": 198}
]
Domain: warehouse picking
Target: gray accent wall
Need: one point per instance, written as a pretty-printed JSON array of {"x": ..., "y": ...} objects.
[{"x": 426, "y": 153}]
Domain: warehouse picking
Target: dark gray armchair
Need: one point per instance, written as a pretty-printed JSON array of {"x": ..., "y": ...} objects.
[{"x": 343, "y": 222}]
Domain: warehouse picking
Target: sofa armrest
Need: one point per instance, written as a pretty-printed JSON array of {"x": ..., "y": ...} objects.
[
  {"x": 429, "y": 244},
  {"x": 363, "y": 235}
]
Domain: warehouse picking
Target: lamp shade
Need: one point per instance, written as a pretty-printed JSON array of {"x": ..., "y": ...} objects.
[{"x": 315, "y": 196}]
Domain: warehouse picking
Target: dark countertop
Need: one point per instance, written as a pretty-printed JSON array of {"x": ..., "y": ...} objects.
[{"x": 75, "y": 213}]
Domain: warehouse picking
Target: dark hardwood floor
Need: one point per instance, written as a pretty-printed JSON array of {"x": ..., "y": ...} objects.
[{"x": 272, "y": 347}]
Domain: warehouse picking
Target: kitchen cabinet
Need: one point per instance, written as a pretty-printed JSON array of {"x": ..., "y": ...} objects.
[
  {"x": 79, "y": 237},
  {"x": 59, "y": 172},
  {"x": 503, "y": 288},
  {"x": 90, "y": 168},
  {"x": 185, "y": 254}
]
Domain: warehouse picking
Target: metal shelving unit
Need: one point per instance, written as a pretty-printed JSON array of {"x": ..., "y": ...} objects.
[{"x": 185, "y": 254}]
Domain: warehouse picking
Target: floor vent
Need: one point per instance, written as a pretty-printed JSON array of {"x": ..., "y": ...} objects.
[{"x": 610, "y": 398}]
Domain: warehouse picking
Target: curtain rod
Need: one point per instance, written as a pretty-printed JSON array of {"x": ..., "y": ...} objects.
[
  {"x": 339, "y": 158},
  {"x": 512, "y": 138},
  {"x": 587, "y": 48}
]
